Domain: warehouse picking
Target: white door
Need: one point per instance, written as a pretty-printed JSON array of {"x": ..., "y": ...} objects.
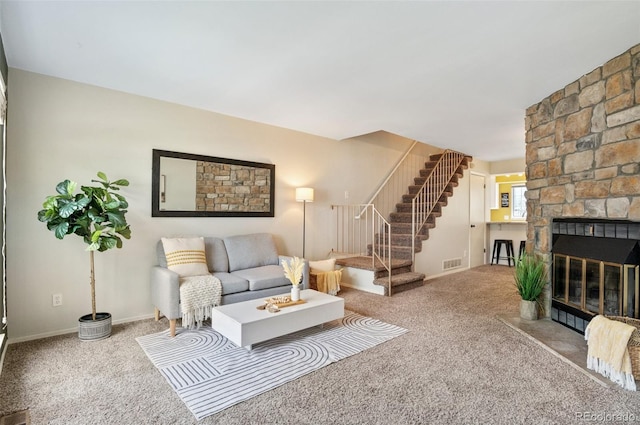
[{"x": 477, "y": 254}]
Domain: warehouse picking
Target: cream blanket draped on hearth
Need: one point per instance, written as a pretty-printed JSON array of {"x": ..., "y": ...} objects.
[
  {"x": 607, "y": 353},
  {"x": 198, "y": 295}
]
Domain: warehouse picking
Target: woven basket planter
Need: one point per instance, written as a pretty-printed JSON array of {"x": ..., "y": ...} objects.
[
  {"x": 94, "y": 330},
  {"x": 634, "y": 343}
]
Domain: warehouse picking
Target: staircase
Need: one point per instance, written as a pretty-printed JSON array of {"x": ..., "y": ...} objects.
[
  {"x": 402, "y": 219},
  {"x": 391, "y": 253}
]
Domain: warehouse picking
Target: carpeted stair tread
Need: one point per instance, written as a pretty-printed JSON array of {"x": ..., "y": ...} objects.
[
  {"x": 414, "y": 188},
  {"x": 404, "y": 239},
  {"x": 408, "y": 197},
  {"x": 402, "y": 244},
  {"x": 396, "y": 270},
  {"x": 406, "y": 207},
  {"x": 405, "y": 229},
  {"x": 419, "y": 181},
  {"x": 399, "y": 241},
  {"x": 401, "y": 217},
  {"x": 465, "y": 161},
  {"x": 424, "y": 172},
  {"x": 366, "y": 263},
  {"x": 399, "y": 252},
  {"x": 400, "y": 279}
]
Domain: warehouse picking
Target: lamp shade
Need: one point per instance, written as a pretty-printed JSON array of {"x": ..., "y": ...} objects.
[{"x": 304, "y": 194}]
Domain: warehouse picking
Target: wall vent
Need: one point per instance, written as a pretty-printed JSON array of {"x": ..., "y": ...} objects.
[{"x": 453, "y": 263}]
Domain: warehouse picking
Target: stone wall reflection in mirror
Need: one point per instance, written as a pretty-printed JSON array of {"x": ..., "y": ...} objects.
[{"x": 197, "y": 185}]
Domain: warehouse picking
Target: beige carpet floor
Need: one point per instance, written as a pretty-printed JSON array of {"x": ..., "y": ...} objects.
[{"x": 457, "y": 364}]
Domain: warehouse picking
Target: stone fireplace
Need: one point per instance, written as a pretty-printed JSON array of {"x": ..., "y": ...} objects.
[{"x": 583, "y": 175}]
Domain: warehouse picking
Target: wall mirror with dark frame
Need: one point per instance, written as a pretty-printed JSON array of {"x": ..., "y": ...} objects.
[{"x": 190, "y": 185}]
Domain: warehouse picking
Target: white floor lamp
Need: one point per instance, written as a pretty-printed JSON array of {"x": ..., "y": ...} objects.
[{"x": 304, "y": 195}]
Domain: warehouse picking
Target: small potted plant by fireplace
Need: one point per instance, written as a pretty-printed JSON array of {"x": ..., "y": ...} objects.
[
  {"x": 97, "y": 215},
  {"x": 530, "y": 278}
]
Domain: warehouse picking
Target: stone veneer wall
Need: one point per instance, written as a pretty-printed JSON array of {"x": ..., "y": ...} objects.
[
  {"x": 583, "y": 151},
  {"x": 225, "y": 187}
]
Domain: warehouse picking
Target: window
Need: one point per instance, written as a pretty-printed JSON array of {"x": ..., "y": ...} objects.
[{"x": 518, "y": 202}]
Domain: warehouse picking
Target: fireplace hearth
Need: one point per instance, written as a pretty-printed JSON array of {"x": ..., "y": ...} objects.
[{"x": 595, "y": 270}]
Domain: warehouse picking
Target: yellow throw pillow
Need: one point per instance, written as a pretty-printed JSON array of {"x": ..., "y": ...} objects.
[{"x": 185, "y": 256}]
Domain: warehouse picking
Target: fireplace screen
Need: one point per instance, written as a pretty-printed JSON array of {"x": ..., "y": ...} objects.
[
  {"x": 596, "y": 287},
  {"x": 596, "y": 265},
  {"x": 592, "y": 286}
]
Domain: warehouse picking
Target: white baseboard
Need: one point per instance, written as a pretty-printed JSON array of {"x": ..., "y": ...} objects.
[
  {"x": 74, "y": 330},
  {"x": 457, "y": 270},
  {"x": 373, "y": 289}
]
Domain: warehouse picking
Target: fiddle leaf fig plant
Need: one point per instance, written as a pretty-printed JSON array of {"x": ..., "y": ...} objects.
[{"x": 96, "y": 214}]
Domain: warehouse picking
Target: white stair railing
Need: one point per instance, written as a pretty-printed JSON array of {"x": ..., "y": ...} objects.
[
  {"x": 362, "y": 231},
  {"x": 353, "y": 227},
  {"x": 382, "y": 247},
  {"x": 430, "y": 192},
  {"x": 395, "y": 185}
]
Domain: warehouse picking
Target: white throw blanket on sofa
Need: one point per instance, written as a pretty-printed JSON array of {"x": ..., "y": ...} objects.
[{"x": 198, "y": 295}]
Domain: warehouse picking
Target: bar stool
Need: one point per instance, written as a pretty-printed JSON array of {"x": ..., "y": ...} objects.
[
  {"x": 497, "y": 248},
  {"x": 523, "y": 246}
]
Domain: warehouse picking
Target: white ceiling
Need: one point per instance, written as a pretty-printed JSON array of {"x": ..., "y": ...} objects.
[{"x": 452, "y": 74}]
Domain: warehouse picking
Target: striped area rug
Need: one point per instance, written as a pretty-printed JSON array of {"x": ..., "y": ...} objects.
[{"x": 210, "y": 373}]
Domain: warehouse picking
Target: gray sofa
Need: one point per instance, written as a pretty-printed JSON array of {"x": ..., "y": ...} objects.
[{"x": 248, "y": 267}]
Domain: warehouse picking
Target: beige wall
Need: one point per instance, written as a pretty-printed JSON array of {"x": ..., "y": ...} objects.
[
  {"x": 450, "y": 238},
  {"x": 508, "y": 166},
  {"x": 59, "y": 129}
]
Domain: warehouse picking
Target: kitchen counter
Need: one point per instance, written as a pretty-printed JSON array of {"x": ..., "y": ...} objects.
[{"x": 513, "y": 230}]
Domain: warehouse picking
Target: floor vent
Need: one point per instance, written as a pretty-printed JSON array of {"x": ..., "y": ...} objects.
[
  {"x": 18, "y": 418},
  {"x": 454, "y": 263}
]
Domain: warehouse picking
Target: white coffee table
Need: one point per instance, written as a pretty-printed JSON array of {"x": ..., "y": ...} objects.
[{"x": 244, "y": 325}]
